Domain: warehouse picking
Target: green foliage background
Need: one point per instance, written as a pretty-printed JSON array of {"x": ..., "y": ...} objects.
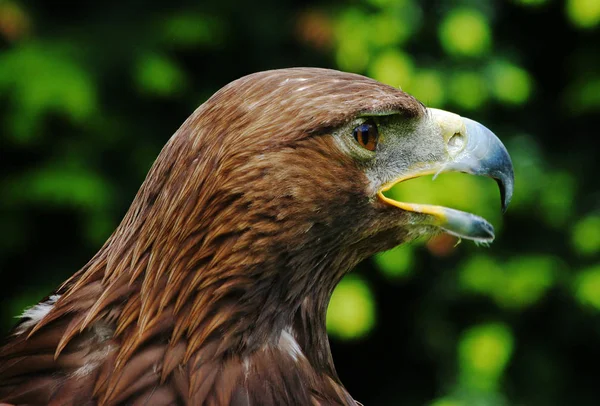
[{"x": 90, "y": 91}]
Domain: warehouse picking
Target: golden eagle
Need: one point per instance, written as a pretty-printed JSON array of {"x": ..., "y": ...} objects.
[{"x": 214, "y": 288}]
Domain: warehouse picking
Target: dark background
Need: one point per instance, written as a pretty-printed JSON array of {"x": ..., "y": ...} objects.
[{"x": 91, "y": 91}]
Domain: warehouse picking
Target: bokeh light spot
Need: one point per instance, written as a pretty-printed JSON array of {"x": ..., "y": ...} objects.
[
  {"x": 74, "y": 187},
  {"x": 585, "y": 237},
  {"x": 387, "y": 30},
  {"x": 393, "y": 68},
  {"x": 468, "y": 90},
  {"x": 428, "y": 86},
  {"x": 484, "y": 352},
  {"x": 352, "y": 56},
  {"x": 159, "y": 75},
  {"x": 587, "y": 287},
  {"x": 351, "y": 312},
  {"x": 352, "y": 51},
  {"x": 465, "y": 32},
  {"x": 481, "y": 274},
  {"x": 517, "y": 283},
  {"x": 396, "y": 263},
  {"x": 584, "y": 13},
  {"x": 510, "y": 83},
  {"x": 43, "y": 78},
  {"x": 527, "y": 279}
]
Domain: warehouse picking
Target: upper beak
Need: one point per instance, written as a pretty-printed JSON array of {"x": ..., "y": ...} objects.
[
  {"x": 470, "y": 148},
  {"x": 484, "y": 154}
]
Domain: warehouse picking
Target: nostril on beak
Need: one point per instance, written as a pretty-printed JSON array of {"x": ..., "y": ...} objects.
[{"x": 456, "y": 142}]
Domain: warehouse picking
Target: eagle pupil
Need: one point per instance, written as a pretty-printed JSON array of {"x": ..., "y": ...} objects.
[{"x": 366, "y": 135}]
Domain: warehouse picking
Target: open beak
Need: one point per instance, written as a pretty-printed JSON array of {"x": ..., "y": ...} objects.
[{"x": 471, "y": 148}]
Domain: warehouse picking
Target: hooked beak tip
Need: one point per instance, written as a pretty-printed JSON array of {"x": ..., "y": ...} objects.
[
  {"x": 493, "y": 159},
  {"x": 505, "y": 194},
  {"x": 483, "y": 154}
]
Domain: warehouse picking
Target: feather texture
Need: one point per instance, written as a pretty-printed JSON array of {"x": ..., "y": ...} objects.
[{"x": 213, "y": 290}]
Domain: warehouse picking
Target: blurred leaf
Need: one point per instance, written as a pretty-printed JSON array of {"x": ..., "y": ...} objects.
[
  {"x": 587, "y": 287},
  {"x": 351, "y": 312},
  {"x": 394, "y": 23},
  {"x": 468, "y": 90},
  {"x": 517, "y": 283},
  {"x": 192, "y": 29},
  {"x": 484, "y": 351},
  {"x": 585, "y": 236},
  {"x": 396, "y": 263},
  {"x": 44, "y": 78},
  {"x": 75, "y": 187},
  {"x": 465, "y": 32},
  {"x": 527, "y": 279},
  {"x": 427, "y": 85},
  {"x": 352, "y": 53},
  {"x": 352, "y": 56},
  {"x": 583, "y": 95},
  {"x": 557, "y": 196},
  {"x": 389, "y": 29},
  {"x": 510, "y": 83},
  {"x": 393, "y": 68},
  {"x": 156, "y": 74},
  {"x": 584, "y": 13},
  {"x": 481, "y": 274}
]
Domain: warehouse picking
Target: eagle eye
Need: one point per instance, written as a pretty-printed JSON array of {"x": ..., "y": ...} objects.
[{"x": 367, "y": 135}]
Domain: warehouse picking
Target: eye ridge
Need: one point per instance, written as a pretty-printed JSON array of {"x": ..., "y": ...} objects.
[{"x": 367, "y": 135}]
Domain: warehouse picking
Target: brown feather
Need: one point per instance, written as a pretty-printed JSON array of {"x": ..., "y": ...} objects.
[{"x": 247, "y": 220}]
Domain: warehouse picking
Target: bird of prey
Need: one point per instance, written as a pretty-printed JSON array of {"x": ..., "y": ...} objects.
[{"x": 214, "y": 288}]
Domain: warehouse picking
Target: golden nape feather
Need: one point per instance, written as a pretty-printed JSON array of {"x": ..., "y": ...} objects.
[{"x": 214, "y": 288}]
